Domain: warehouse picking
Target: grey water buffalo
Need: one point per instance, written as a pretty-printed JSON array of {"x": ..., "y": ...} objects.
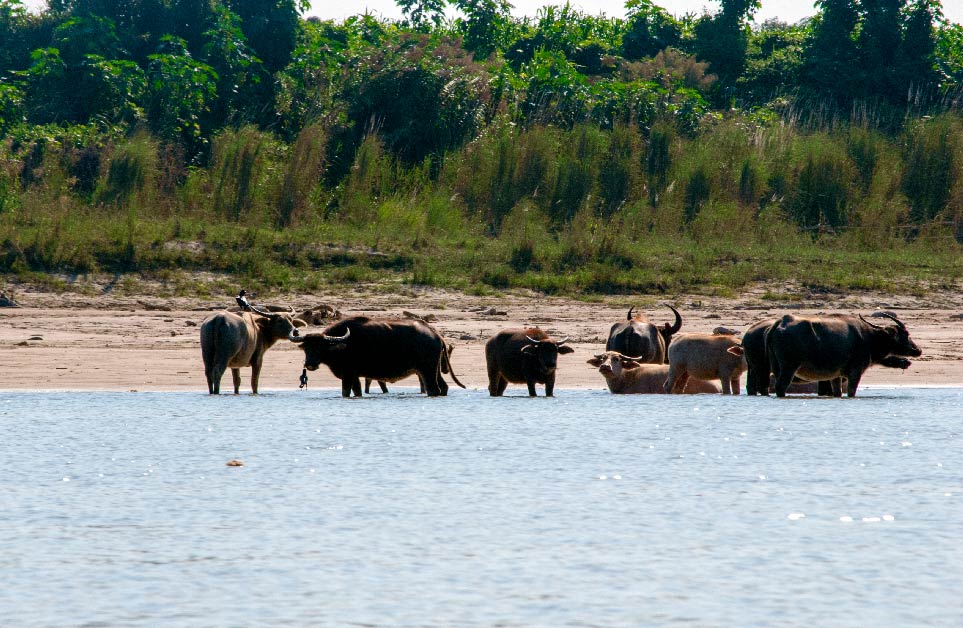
[
  {"x": 759, "y": 377},
  {"x": 523, "y": 356},
  {"x": 238, "y": 340},
  {"x": 383, "y": 385},
  {"x": 829, "y": 347},
  {"x": 640, "y": 338},
  {"x": 628, "y": 376},
  {"x": 380, "y": 349},
  {"x": 707, "y": 357}
]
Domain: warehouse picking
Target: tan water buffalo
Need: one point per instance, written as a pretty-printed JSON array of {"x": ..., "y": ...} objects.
[
  {"x": 526, "y": 356},
  {"x": 705, "y": 356},
  {"x": 640, "y": 338},
  {"x": 829, "y": 347},
  {"x": 380, "y": 349},
  {"x": 628, "y": 376},
  {"x": 238, "y": 340}
]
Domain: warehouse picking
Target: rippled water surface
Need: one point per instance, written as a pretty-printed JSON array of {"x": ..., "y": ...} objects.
[{"x": 584, "y": 510}]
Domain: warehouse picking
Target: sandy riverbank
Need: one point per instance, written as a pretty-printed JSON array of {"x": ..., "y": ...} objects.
[{"x": 74, "y": 342}]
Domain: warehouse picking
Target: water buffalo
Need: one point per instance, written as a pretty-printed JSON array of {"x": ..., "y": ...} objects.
[
  {"x": 380, "y": 349},
  {"x": 383, "y": 385},
  {"x": 523, "y": 355},
  {"x": 236, "y": 340},
  {"x": 705, "y": 356},
  {"x": 828, "y": 347},
  {"x": 628, "y": 376},
  {"x": 759, "y": 377},
  {"x": 638, "y": 337}
]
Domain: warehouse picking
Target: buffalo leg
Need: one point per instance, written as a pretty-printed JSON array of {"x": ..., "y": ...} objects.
[
  {"x": 356, "y": 386},
  {"x": 429, "y": 377},
  {"x": 346, "y": 387},
  {"x": 784, "y": 378},
  {"x": 550, "y": 385},
  {"x": 679, "y": 387},
  {"x": 496, "y": 383},
  {"x": 236, "y": 376},
  {"x": 853, "y": 384},
  {"x": 674, "y": 373},
  {"x": 734, "y": 385},
  {"x": 751, "y": 384},
  {"x": 726, "y": 385},
  {"x": 531, "y": 389}
]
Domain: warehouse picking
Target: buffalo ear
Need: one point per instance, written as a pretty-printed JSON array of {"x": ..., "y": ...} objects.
[
  {"x": 736, "y": 350},
  {"x": 631, "y": 364},
  {"x": 566, "y": 349},
  {"x": 597, "y": 361}
]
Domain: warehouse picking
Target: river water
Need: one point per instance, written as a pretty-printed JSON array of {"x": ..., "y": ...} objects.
[{"x": 118, "y": 509}]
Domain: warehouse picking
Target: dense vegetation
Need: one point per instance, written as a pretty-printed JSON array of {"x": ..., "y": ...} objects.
[{"x": 566, "y": 153}]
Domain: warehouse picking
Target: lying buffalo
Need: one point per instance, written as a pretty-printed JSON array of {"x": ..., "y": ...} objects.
[
  {"x": 705, "y": 356},
  {"x": 237, "y": 340},
  {"x": 638, "y": 337},
  {"x": 830, "y": 347},
  {"x": 628, "y": 376},
  {"x": 381, "y": 349},
  {"x": 759, "y": 377},
  {"x": 523, "y": 355}
]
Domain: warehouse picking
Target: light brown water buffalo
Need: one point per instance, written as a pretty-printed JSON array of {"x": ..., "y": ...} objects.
[
  {"x": 640, "y": 338},
  {"x": 380, "y": 349},
  {"x": 705, "y": 356},
  {"x": 628, "y": 376},
  {"x": 829, "y": 347},
  {"x": 238, "y": 340},
  {"x": 523, "y": 356}
]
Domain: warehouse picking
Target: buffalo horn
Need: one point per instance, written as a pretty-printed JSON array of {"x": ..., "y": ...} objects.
[
  {"x": 628, "y": 316},
  {"x": 295, "y": 336},
  {"x": 898, "y": 322},
  {"x": 257, "y": 310},
  {"x": 868, "y": 323},
  {"x": 531, "y": 340},
  {"x": 562, "y": 341},
  {"x": 347, "y": 332},
  {"x": 674, "y": 329}
]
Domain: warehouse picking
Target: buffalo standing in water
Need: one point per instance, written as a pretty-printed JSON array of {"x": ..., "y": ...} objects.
[
  {"x": 641, "y": 339},
  {"x": 829, "y": 347},
  {"x": 523, "y": 356},
  {"x": 380, "y": 349}
]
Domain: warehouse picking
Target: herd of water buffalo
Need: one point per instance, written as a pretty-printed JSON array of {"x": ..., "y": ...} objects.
[{"x": 790, "y": 354}]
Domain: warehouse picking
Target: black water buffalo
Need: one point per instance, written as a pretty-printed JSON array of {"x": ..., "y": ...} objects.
[
  {"x": 828, "y": 347},
  {"x": 523, "y": 355},
  {"x": 383, "y": 385},
  {"x": 642, "y": 340},
  {"x": 759, "y": 378},
  {"x": 236, "y": 340},
  {"x": 380, "y": 349}
]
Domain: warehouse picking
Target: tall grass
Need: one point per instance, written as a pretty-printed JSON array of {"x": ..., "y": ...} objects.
[{"x": 565, "y": 211}]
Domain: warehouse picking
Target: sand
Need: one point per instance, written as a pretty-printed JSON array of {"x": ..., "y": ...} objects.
[{"x": 67, "y": 341}]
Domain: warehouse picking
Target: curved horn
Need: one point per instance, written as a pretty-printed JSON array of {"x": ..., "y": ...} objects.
[
  {"x": 868, "y": 323},
  {"x": 562, "y": 341},
  {"x": 258, "y": 310},
  {"x": 638, "y": 359},
  {"x": 898, "y": 322},
  {"x": 531, "y": 340},
  {"x": 628, "y": 316},
  {"x": 294, "y": 336},
  {"x": 347, "y": 333},
  {"x": 678, "y": 321}
]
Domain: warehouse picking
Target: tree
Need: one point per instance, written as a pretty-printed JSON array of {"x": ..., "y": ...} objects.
[
  {"x": 271, "y": 28},
  {"x": 723, "y": 39},
  {"x": 485, "y": 25},
  {"x": 420, "y": 12},
  {"x": 180, "y": 90},
  {"x": 832, "y": 60},
  {"x": 650, "y": 30}
]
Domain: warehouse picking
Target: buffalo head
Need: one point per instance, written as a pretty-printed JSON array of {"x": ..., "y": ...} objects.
[
  {"x": 899, "y": 341},
  {"x": 318, "y": 348},
  {"x": 546, "y": 351}
]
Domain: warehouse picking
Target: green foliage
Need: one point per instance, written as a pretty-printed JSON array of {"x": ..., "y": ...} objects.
[
  {"x": 180, "y": 90},
  {"x": 131, "y": 173},
  {"x": 933, "y": 166}
]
